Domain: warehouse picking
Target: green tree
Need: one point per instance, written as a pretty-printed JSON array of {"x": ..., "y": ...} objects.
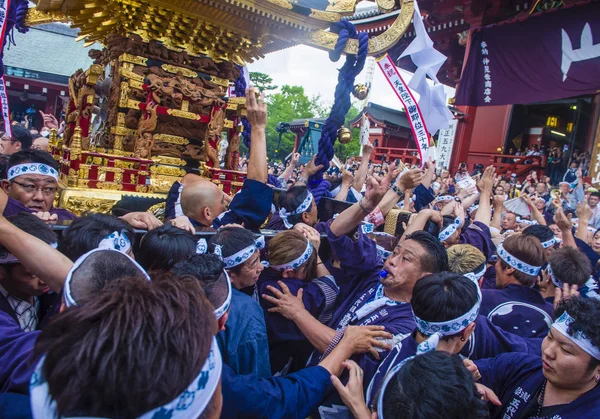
[
  {"x": 262, "y": 81},
  {"x": 289, "y": 104}
]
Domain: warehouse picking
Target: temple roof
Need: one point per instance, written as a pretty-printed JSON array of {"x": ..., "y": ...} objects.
[
  {"x": 383, "y": 115},
  {"x": 50, "y": 48}
]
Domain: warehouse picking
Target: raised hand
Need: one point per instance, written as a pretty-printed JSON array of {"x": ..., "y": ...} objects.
[
  {"x": 376, "y": 189},
  {"x": 367, "y": 149},
  {"x": 256, "y": 109},
  {"x": 311, "y": 168},
  {"x": 50, "y": 121},
  {"x": 409, "y": 180},
  {"x": 487, "y": 180},
  {"x": 565, "y": 293}
]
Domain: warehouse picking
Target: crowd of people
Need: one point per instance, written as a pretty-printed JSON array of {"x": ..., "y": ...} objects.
[{"x": 483, "y": 303}]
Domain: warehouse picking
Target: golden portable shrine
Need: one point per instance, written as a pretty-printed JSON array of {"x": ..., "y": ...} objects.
[{"x": 155, "y": 103}]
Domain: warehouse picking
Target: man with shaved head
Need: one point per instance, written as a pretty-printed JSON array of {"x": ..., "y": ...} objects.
[{"x": 205, "y": 205}]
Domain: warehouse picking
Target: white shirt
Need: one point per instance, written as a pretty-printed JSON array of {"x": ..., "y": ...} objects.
[{"x": 26, "y": 313}]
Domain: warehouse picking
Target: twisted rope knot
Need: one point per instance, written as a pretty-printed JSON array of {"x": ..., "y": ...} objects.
[{"x": 341, "y": 105}]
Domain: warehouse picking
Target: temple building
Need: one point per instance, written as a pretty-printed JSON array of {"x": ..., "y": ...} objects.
[
  {"x": 38, "y": 67},
  {"x": 485, "y": 133}
]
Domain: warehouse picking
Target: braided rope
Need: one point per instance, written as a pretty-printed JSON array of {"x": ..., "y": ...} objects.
[
  {"x": 240, "y": 91},
  {"x": 342, "y": 103}
]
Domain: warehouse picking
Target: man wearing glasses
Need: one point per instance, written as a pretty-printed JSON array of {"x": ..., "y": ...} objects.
[
  {"x": 31, "y": 184},
  {"x": 21, "y": 139}
]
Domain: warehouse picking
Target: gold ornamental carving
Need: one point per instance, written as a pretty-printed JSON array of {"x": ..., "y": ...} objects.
[
  {"x": 219, "y": 81},
  {"x": 171, "y": 139},
  {"x": 377, "y": 44},
  {"x": 174, "y": 70},
  {"x": 232, "y": 106},
  {"x": 228, "y": 124},
  {"x": 185, "y": 105},
  {"x": 386, "y": 5},
  {"x": 135, "y": 84},
  {"x": 128, "y": 74},
  {"x": 124, "y": 95},
  {"x": 282, "y": 3},
  {"x": 109, "y": 186},
  {"x": 171, "y": 161},
  {"x": 236, "y": 100},
  {"x": 326, "y": 16},
  {"x": 121, "y": 119},
  {"x": 167, "y": 171},
  {"x": 134, "y": 59},
  {"x": 79, "y": 205},
  {"x": 133, "y": 104},
  {"x": 182, "y": 114},
  {"x": 37, "y": 17},
  {"x": 141, "y": 188},
  {"x": 120, "y": 130}
]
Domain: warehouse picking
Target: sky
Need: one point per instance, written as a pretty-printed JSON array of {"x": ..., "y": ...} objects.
[{"x": 311, "y": 68}]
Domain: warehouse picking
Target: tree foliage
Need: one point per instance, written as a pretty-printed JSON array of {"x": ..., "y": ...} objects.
[
  {"x": 291, "y": 103},
  {"x": 262, "y": 81}
]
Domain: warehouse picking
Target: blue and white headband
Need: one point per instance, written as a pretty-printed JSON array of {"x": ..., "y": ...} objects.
[
  {"x": 69, "y": 300},
  {"x": 588, "y": 290},
  {"x": 562, "y": 324},
  {"x": 382, "y": 253},
  {"x": 516, "y": 263},
  {"x": 525, "y": 221},
  {"x": 7, "y": 258},
  {"x": 446, "y": 233},
  {"x": 32, "y": 169},
  {"x": 202, "y": 248},
  {"x": 388, "y": 377},
  {"x": 303, "y": 207},
  {"x": 219, "y": 312},
  {"x": 437, "y": 330},
  {"x": 244, "y": 254},
  {"x": 476, "y": 275},
  {"x": 117, "y": 240},
  {"x": 296, "y": 263},
  {"x": 473, "y": 208},
  {"x": 444, "y": 198},
  {"x": 189, "y": 404},
  {"x": 551, "y": 242}
]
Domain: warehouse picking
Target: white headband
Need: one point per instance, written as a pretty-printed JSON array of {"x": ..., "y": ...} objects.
[
  {"x": 443, "y": 198},
  {"x": 476, "y": 275},
  {"x": 296, "y": 263},
  {"x": 33, "y": 169},
  {"x": 562, "y": 325},
  {"x": 588, "y": 290},
  {"x": 244, "y": 254},
  {"x": 69, "y": 300},
  {"x": 382, "y": 253},
  {"x": 525, "y": 221},
  {"x": 550, "y": 242},
  {"x": 202, "y": 248},
  {"x": 116, "y": 240},
  {"x": 7, "y": 257},
  {"x": 189, "y": 404},
  {"x": 450, "y": 230},
  {"x": 437, "y": 330},
  {"x": 391, "y": 374},
  {"x": 518, "y": 264},
  {"x": 304, "y": 206},
  {"x": 219, "y": 312}
]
